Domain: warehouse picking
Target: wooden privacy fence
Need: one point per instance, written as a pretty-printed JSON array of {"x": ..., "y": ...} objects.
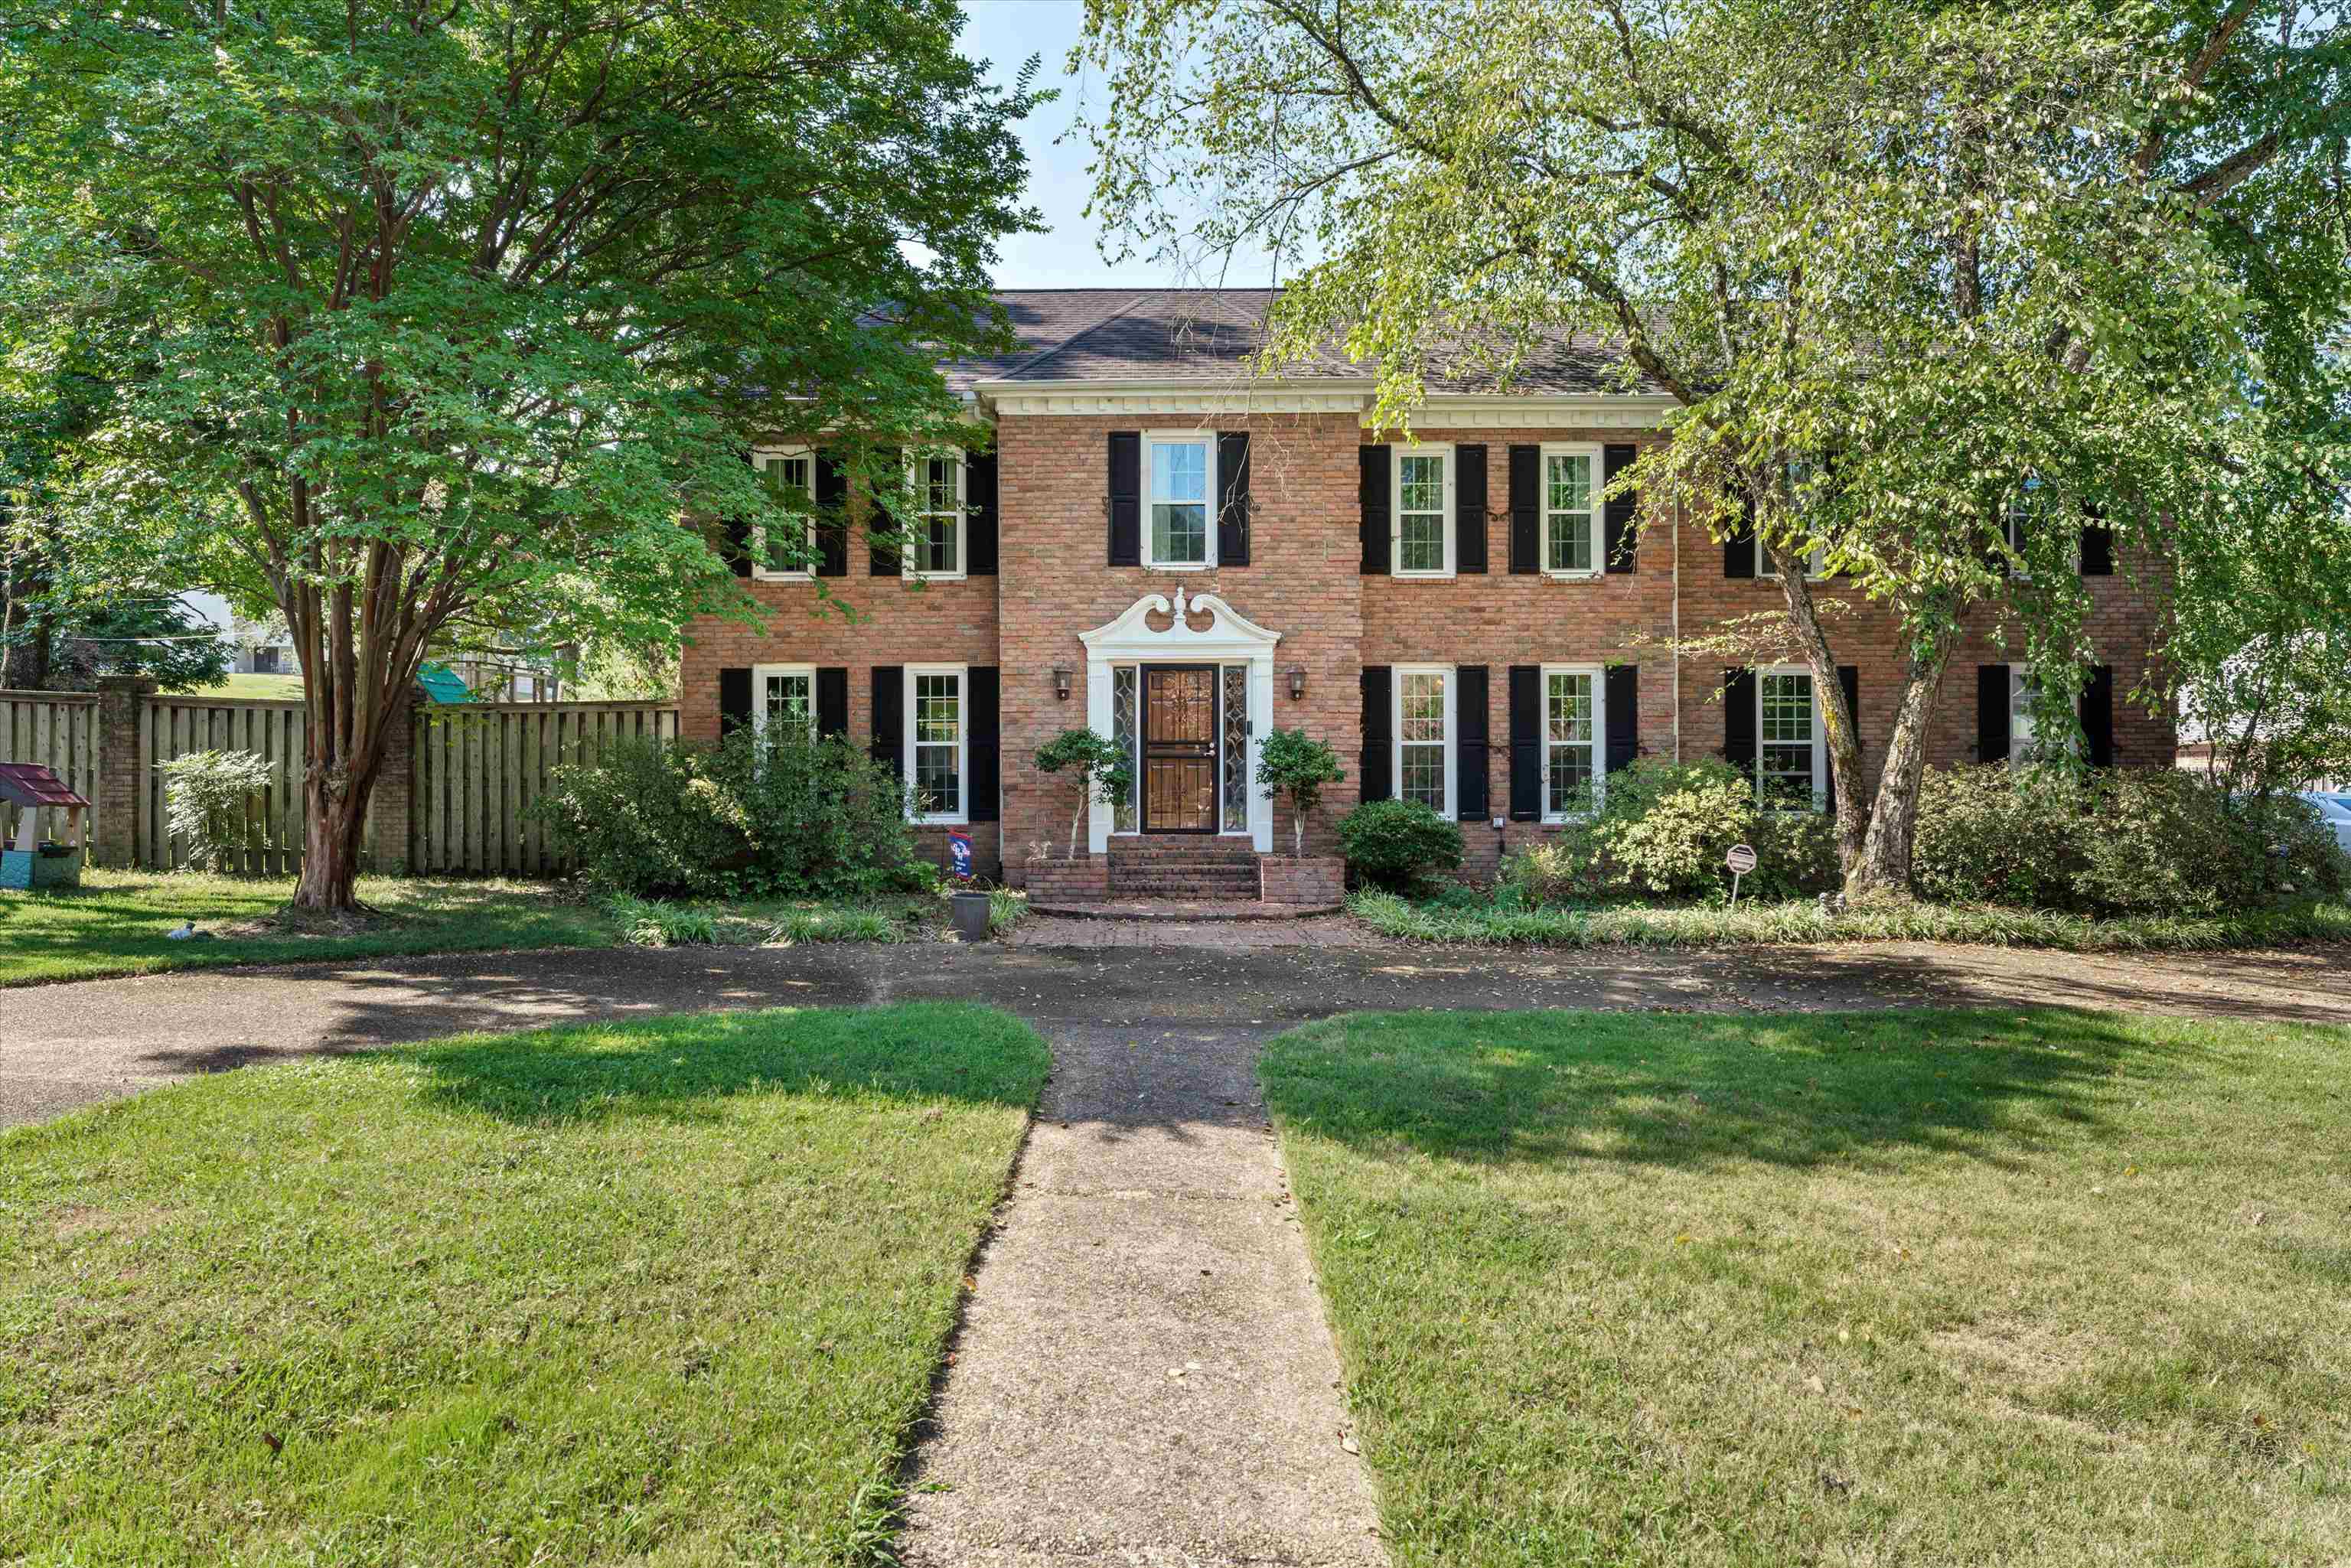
[{"x": 452, "y": 798}]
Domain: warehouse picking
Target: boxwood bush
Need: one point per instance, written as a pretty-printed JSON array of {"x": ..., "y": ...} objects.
[
  {"x": 1663, "y": 832},
  {"x": 1396, "y": 843}
]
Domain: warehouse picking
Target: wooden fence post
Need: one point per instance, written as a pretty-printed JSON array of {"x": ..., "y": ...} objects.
[
  {"x": 388, "y": 805},
  {"x": 120, "y": 783}
]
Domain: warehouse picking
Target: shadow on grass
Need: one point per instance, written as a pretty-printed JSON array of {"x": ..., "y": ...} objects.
[
  {"x": 683, "y": 1068},
  {"x": 1691, "y": 1090}
]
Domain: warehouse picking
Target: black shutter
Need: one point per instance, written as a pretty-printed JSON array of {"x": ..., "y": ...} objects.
[
  {"x": 979, "y": 516},
  {"x": 1849, "y": 677},
  {"x": 2098, "y": 715},
  {"x": 1526, "y": 743},
  {"x": 736, "y": 532},
  {"x": 892, "y": 460},
  {"x": 1623, "y": 701},
  {"x": 1379, "y": 686},
  {"x": 832, "y": 516},
  {"x": 2098, "y": 547},
  {"x": 1526, "y": 508},
  {"x": 832, "y": 700},
  {"x": 1619, "y": 529},
  {"x": 1233, "y": 506},
  {"x": 734, "y": 700},
  {"x": 1374, "y": 491},
  {"x": 1992, "y": 713},
  {"x": 983, "y": 733},
  {"x": 1738, "y": 548},
  {"x": 1469, "y": 511},
  {"x": 1125, "y": 505},
  {"x": 1470, "y": 743},
  {"x": 890, "y": 716},
  {"x": 1738, "y": 747}
]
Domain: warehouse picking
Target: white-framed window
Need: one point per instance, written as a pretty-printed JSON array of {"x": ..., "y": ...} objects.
[
  {"x": 1180, "y": 469},
  {"x": 789, "y": 474},
  {"x": 2031, "y": 507},
  {"x": 937, "y": 759},
  {"x": 783, "y": 695},
  {"x": 2024, "y": 745},
  {"x": 934, "y": 488},
  {"x": 1816, "y": 561},
  {"x": 1576, "y": 729},
  {"x": 1424, "y": 735},
  {"x": 1574, "y": 477},
  {"x": 1791, "y": 766},
  {"x": 1422, "y": 516}
]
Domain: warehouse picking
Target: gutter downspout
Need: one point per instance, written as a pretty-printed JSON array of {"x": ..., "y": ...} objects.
[{"x": 1677, "y": 636}]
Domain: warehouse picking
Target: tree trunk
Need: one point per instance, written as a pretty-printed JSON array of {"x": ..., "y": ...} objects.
[
  {"x": 335, "y": 802},
  {"x": 1828, "y": 695},
  {"x": 1296, "y": 832},
  {"x": 1883, "y": 867},
  {"x": 1078, "y": 820}
]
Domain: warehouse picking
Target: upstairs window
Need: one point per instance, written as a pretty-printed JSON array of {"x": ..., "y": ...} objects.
[
  {"x": 789, "y": 473},
  {"x": 1183, "y": 478},
  {"x": 936, "y": 481},
  {"x": 1424, "y": 512},
  {"x": 1570, "y": 510}
]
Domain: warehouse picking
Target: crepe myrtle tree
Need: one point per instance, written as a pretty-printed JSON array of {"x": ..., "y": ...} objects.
[
  {"x": 1292, "y": 766},
  {"x": 1105, "y": 771},
  {"x": 1920, "y": 281},
  {"x": 429, "y": 323}
]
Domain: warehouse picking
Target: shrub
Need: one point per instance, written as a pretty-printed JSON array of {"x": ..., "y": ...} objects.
[
  {"x": 207, "y": 795},
  {"x": 1795, "y": 856},
  {"x": 1105, "y": 771},
  {"x": 1397, "y": 843},
  {"x": 794, "y": 815},
  {"x": 2164, "y": 842},
  {"x": 1989, "y": 834},
  {"x": 1562, "y": 868},
  {"x": 1665, "y": 827},
  {"x": 1291, "y": 764}
]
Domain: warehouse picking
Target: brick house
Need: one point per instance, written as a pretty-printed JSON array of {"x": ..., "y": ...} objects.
[{"x": 1183, "y": 558}]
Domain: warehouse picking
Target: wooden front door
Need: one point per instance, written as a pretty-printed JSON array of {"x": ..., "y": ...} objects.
[{"x": 1179, "y": 749}]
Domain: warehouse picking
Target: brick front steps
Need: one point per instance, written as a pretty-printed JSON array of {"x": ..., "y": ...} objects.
[
  {"x": 1201, "y": 880},
  {"x": 1177, "y": 909}
]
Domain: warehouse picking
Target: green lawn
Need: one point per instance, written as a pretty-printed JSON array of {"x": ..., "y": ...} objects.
[
  {"x": 667, "y": 1292},
  {"x": 277, "y": 688},
  {"x": 1921, "y": 1288}
]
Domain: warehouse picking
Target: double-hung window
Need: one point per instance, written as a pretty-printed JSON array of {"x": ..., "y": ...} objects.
[
  {"x": 1424, "y": 512},
  {"x": 936, "y": 760},
  {"x": 1816, "y": 560},
  {"x": 1791, "y": 756},
  {"x": 784, "y": 699},
  {"x": 1572, "y": 479},
  {"x": 1182, "y": 470},
  {"x": 1575, "y": 720},
  {"x": 934, "y": 483},
  {"x": 789, "y": 474},
  {"x": 2025, "y": 746},
  {"x": 2029, "y": 509},
  {"x": 1424, "y": 735}
]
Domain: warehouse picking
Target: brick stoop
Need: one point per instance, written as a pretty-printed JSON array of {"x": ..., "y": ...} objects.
[
  {"x": 1177, "y": 910},
  {"x": 1206, "y": 870}
]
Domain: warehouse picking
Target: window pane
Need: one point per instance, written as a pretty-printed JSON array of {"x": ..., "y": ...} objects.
[
  {"x": 1570, "y": 482},
  {"x": 1122, "y": 682},
  {"x": 1420, "y": 728},
  {"x": 1179, "y": 533},
  {"x": 938, "y": 734},
  {"x": 1421, "y": 485},
  {"x": 790, "y": 700},
  {"x": 1420, "y": 514},
  {"x": 1422, "y": 538},
  {"x": 1784, "y": 762},
  {"x": 1179, "y": 471},
  {"x": 1237, "y": 739},
  {"x": 1571, "y": 743},
  {"x": 938, "y": 504},
  {"x": 939, "y": 545}
]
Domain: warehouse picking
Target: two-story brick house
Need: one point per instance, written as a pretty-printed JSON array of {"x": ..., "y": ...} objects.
[{"x": 1461, "y": 616}]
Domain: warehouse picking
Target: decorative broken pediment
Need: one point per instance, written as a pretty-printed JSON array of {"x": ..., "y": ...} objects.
[{"x": 1228, "y": 633}]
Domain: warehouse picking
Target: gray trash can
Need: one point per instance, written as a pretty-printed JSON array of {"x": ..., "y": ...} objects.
[{"x": 971, "y": 916}]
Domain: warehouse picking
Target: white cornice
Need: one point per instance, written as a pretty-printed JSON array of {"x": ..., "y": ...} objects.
[
  {"x": 1443, "y": 411},
  {"x": 1558, "y": 411}
]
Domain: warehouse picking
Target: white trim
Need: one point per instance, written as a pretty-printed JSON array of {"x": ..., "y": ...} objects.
[
  {"x": 1229, "y": 638},
  {"x": 1820, "y": 733},
  {"x": 1452, "y": 728},
  {"x": 916, "y": 455},
  {"x": 1598, "y": 457},
  {"x": 761, "y": 456},
  {"x": 1241, "y": 394},
  {"x": 1194, "y": 437},
  {"x": 1396, "y": 455},
  {"x": 906, "y": 703},
  {"x": 1599, "y": 674},
  {"x": 1545, "y": 411},
  {"x": 760, "y": 675}
]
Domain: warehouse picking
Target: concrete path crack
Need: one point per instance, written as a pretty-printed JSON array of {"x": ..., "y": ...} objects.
[{"x": 1144, "y": 1375}]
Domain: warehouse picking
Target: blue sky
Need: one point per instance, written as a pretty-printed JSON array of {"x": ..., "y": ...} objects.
[{"x": 1005, "y": 33}]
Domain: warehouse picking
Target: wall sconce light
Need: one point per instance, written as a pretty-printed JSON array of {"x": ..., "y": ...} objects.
[
  {"x": 1061, "y": 682},
  {"x": 1297, "y": 682}
]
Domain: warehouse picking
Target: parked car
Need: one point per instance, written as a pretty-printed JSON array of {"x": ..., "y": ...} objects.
[{"x": 2336, "y": 809}]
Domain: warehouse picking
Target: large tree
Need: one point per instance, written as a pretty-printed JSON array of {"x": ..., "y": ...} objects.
[
  {"x": 1908, "y": 271},
  {"x": 426, "y": 319}
]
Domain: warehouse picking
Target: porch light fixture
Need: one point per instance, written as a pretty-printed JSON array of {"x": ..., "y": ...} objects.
[
  {"x": 1061, "y": 682},
  {"x": 1297, "y": 682}
]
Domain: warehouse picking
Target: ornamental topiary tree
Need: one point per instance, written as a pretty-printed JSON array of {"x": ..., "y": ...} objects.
[
  {"x": 1292, "y": 766},
  {"x": 1102, "y": 769}
]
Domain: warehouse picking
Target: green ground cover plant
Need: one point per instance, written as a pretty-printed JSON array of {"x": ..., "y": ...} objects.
[
  {"x": 2036, "y": 1289},
  {"x": 669, "y": 1292}
]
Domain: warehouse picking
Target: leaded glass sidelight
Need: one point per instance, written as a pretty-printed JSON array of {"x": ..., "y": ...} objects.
[
  {"x": 1124, "y": 729},
  {"x": 1237, "y": 739}
]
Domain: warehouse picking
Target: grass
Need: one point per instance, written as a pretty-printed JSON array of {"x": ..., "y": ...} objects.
[
  {"x": 1929, "y": 1287},
  {"x": 659, "y": 1292},
  {"x": 115, "y": 924},
  {"x": 1802, "y": 920},
  {"x": 275, "y": 688}
]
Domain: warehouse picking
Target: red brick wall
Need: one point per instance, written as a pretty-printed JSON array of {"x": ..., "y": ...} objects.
[{"x": 1304, "y": 582}]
